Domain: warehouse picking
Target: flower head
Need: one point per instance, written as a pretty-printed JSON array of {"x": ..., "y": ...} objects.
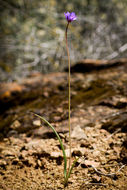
[{"x": 70, "y": 16}]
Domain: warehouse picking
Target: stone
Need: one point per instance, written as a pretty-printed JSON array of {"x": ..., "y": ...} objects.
[{"x": 78, "y": 133}]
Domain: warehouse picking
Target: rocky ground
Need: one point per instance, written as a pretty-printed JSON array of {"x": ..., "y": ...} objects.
[{"x": 30, "y": 154}]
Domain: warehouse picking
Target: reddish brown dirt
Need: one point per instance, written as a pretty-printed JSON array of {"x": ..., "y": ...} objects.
[{"x": 30, "y": 155}]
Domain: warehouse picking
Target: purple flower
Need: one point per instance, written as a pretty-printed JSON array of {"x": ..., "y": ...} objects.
[{"x": 70, "y": 16}]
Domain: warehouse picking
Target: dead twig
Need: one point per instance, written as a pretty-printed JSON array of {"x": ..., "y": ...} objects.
[
  {"x": 118, "y": 130},
  {"x": 101, "y": 184},
  {"x": 109, "y": 175}
]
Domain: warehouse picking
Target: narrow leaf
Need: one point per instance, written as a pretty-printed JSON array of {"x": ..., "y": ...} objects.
[
  {"x": 60, "y": 141},
  {"x": 69, "y": 172}
]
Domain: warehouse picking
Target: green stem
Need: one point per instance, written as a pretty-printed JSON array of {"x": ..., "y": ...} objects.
[{"x": 69, "y": 94}]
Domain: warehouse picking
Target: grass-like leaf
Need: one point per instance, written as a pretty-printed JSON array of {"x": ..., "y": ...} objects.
[
  {"x": 61, "y": 144},
  {"x": 69, "y": 172}
]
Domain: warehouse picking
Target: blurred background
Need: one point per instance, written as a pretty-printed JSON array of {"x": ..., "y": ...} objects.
[{"x": 32, "y": 34}]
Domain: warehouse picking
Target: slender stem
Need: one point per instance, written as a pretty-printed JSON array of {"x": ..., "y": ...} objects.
[{"x": 69, "y": 94}]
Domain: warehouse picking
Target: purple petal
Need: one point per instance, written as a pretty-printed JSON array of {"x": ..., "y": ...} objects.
[
  {"x": 72, "y": 14},
  {"x": 67, "y": 14}
]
